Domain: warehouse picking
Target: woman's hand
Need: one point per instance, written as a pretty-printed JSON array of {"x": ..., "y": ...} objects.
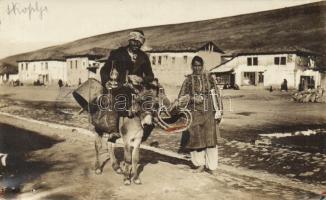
[
  {"x": 197, "y": 99},
  {"x": 184, "y": 100}
]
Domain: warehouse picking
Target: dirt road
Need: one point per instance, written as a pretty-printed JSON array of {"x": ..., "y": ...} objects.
[
  {"x": 247, "y": 114},
  {"x": 60, "y": 166}
]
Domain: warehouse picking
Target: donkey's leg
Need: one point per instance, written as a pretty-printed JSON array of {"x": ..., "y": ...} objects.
[
  {"x": 135, "y": 160},
  {"x": 127, "y": 163},
  {"x": 98, "y": 147},
  {"x": 124, "y": 130},
  {"x": 113, "y": 158}
]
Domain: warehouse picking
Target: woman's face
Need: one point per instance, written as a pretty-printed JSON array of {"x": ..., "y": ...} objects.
[{"x": 197, "y": 67}]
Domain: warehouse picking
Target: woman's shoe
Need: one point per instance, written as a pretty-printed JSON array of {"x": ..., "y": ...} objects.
[
  {"x": 212, "y": 172},
  {"x": 199, "y": 169}
]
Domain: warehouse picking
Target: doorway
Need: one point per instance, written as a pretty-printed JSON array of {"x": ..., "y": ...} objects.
[
  {"x": 249, "y": 78},
  {"x": 306, "y": 82},
  {"x": 260, "y": 78}
]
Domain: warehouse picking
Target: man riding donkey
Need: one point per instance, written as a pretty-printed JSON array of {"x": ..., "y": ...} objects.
[
  {"x": 133, "y": 97},
  {"x": 126, "y": 72}
]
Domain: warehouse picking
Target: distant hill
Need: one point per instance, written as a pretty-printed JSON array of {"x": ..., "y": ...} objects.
[{"x": 303, "y": 26}]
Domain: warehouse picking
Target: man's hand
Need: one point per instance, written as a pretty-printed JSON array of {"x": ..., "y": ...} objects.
[
  {"x": 184, "y": 101},
  {"x": 218, "y": 115},
  {"x": 135, "y": 80}
]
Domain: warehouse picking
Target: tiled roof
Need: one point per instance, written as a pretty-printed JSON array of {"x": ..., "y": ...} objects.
[
  {"x": 6, "y": 68},
  {"x": 183, "y": 47}
]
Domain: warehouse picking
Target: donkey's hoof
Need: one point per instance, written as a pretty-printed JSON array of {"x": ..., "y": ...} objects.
[
  {"x": 118, "y": 171},
  {"x": 117, "y": 168},
  {"x": 137, "y": 181},
  {"x": 98, "y": 171},
  {"x": 126, "y": 181}
]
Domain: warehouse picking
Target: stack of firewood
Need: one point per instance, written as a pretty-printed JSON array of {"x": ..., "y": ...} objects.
[{"x": 310, "y": 95}]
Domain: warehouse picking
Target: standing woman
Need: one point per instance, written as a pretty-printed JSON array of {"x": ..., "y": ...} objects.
[{"x": 201, "y": 138}]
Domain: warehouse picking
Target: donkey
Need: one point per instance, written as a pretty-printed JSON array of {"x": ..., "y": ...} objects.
[{"x": 131, "y": 130}]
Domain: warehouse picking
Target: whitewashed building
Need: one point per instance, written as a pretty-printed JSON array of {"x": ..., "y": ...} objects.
[
  {"x": 171, "y": 63},
  {"x": 47, "y": 71},
  {"x": 8, "y": 73},
  {"x": 78, "y": 63},
  {"x": 270, "y": 68}
]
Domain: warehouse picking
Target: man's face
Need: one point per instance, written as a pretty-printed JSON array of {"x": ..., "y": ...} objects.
[{"x": 134, "y": 45}]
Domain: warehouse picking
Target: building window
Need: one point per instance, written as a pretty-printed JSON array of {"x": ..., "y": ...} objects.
[
  {"x": 154, "y": 60},
  {"x": 26, "y": 67},
  {"x": 255, "y": 61},
  {"x": 34, "y": 67},
  {"x": 246, "y": 74},
  {"x": 46, "y": 65},
  {"x": 249, "y": 78},
  {"x": 165, "y": 58},
  {"x": 173, "y": 60},
  {"x": 76, "y": 64},
  {"x": 185, "y": 59},
  {"x": 252, "y": 61},
  {"x": 283, "y": 60},
  {"x": 70, "y": 64},
  {"x": 249, "y": 62},
  {"x": 22, "y": 66},
  {"x": 159, "y": 60},
  {"x": 280, "y": 60}
]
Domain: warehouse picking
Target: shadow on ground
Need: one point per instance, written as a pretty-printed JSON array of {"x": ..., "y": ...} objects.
[
  {"x": 150, "y": 158},
  {"x": 18, "y": 143}
]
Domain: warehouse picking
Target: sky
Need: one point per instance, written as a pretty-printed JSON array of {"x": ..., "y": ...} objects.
[{"x": 27, "y": 25}]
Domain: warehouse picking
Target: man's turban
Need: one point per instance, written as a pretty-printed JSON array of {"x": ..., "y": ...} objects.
[{"x": 135, "y": 35}]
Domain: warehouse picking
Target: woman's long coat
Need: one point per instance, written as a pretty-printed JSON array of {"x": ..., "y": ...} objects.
[{"x": 202, "y": 133}]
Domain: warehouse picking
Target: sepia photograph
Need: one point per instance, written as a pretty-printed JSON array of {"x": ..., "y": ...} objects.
[{"x": 163, "y": 99}]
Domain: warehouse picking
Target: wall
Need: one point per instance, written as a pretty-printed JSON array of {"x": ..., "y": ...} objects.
[
  {"x": 211, "y": 59},
  {"x": 57, "y": 70},
  {"x": 77, "y": 69},
  {"x": 28, "y": 72},
  {"x": 169, "y": 71},
  {"x": 4, "y": 78},
  {"x": 13, "y": 77},
  {"x": 315, "y": 74},
  {"x": 274, "y": 74},
  {"x": 323, "y": 80},
  {"x": 174, "y": 66},
  {"x": 304, "y": 66}
]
